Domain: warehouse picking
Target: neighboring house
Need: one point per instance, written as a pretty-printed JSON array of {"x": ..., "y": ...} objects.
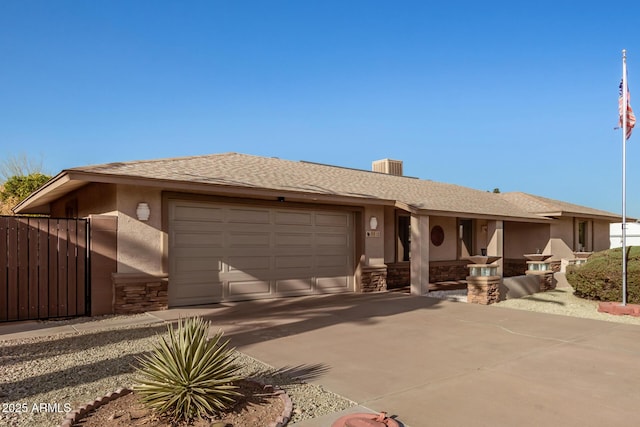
[
  {"x": 632, "y": 235},
  {"x": 231, "y": 227}
]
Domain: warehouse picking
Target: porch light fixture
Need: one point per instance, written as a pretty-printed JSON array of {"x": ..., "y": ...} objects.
[
  {"x": 143, "y": 211},
  {"x": 373, "y": 223}
]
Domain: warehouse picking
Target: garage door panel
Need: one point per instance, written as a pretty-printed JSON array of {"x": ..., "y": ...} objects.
[
  {"x": 201, "y": 252},
  {"x": 293, "y": 218},
  {"x": 290, "y": 287},
  {"x": 334, "y": 239},
  {"x": 190, "y": 239},
  {"x": 331, "y": 260},
  {"x": 256, "y": 252},
  {"x": 197, "y": 263},
  {"x": 248, "y": 263},
  {"x": 332, "y": 284},
  {"x": 197, "y": 292},
  {"x": 188, "y": 212},
  {"x": 248, "y": 216},
  {"x": 249, "y": 287},
  {"x": 196, "y": 226},
  {"x": 237, "y": 239},
  {"x": 332, "y": 220},
  {"x": 294, "y": 239},
  {"x": 293, "y": 261}
]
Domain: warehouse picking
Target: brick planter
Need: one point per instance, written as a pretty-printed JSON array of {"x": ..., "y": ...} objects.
[
  {"x": 374, "y": 278},
  {"x": 441, "y": 271},
  {"x": 75, "y": 416},
  {"x": 483, "y": 290},
  {"x": 618, "y": 309},
  {"x": 137, "y": 293},
  {"x": 546, "y": 279},
  {"x": 398, "y": 275}
]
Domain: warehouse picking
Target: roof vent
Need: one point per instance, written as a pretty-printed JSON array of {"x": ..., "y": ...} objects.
[{"x": 388, "y": 166}]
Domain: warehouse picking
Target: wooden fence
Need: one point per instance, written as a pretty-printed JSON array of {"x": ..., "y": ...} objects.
[{"x": 43, "y": 268}]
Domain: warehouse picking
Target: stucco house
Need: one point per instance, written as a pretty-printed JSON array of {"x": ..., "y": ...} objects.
[{"x": 228, "y": 227}]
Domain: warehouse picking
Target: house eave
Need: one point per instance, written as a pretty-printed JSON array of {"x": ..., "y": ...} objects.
[
  {"x": 491, "y": 217},
  {"x": 559, "y": 214},
  {"x": 39, "y": 202},
  {"x": 70, "y": 180}
]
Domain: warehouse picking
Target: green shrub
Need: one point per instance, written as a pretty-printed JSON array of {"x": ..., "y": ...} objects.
[
  {"x": 188, "y": 376},
  {"x": 601, "y": 277},
  {"x": 20, "y": 187}
]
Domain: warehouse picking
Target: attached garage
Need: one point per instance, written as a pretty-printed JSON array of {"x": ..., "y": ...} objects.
[{"x": 227, "y": 252}]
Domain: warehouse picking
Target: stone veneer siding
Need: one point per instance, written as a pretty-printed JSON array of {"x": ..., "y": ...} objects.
[
  {"x": 398, "y": 275},
  {"x": 547, "y": 282},
  {"x": 137, "y": 293},
  {"x": 483, "y": 290},
  {"x": 374, "y": 279},
  {"x": 441, "y": 271},
  {"x": 512, "y": 267}
]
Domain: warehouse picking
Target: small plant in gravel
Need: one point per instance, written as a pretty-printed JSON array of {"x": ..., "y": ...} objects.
[{"x": 187, "y": 375}]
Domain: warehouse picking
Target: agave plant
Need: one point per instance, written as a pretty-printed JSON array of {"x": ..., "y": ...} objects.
[{"x": 187, "y": 375}]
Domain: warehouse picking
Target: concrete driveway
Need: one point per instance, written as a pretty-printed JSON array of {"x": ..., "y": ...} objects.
[{"x": 440, "y": 363}]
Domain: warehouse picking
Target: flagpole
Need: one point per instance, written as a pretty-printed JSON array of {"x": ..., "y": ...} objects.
[{"x": 624, "y": 176}]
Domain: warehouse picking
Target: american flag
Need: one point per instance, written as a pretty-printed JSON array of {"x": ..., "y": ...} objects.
[{"x": 631, "y": 118}]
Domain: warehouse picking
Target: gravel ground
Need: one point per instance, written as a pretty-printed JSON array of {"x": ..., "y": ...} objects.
[
  {"x": 562, "y": 301},
  {"x": 43, "y": 378},
  {"x": 459, "y": 295}
]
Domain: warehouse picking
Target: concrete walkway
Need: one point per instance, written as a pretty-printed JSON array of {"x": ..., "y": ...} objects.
[
  {"x": 439, "y": 363},
  {"x": 433, "y": 362}
]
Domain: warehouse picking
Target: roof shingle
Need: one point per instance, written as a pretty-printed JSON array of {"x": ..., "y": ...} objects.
[{"x": 249, "y": 171}]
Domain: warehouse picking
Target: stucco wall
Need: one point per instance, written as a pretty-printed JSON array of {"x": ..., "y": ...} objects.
[
  {"x": 524, "y": 238},
  {"x": 480, "y": 238},
  {"x": 374, "y": 242},
  {"x": 560, "y": 243},
  {"x": 601, "y": 238},
  {"x": 389, "y": 234},
  {"x": 92, "y": 199},
  {"x": 447, "y": 251},
  {"x": 140, "y": 243}
]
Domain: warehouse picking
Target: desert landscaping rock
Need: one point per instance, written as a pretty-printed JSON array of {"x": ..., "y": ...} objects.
[
  {"x": 66, "y": 371},
  {"x": 561, "y": 301}
]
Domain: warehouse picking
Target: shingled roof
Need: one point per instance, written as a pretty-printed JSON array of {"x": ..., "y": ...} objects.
[
  {"x": 255, "y": 172},
  {"x": 554, "y": 208}
]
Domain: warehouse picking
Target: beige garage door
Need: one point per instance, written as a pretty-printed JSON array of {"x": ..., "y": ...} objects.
[{"x": 234, "y": 252}]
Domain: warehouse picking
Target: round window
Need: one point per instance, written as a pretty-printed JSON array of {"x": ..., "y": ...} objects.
[{"x": 437, "y": 235}]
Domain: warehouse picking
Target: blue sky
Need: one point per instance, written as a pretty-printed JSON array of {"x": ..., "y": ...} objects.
[{"x": 516, "y": 95}]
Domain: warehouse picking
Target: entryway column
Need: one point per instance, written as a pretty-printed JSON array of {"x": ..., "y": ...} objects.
[
  {"x": 495, "y": 246},
  {"x": 419, "y": 254}
]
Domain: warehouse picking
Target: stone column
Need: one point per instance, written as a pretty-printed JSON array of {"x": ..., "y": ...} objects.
[
  {"x": 545, "y": 278},
  {"x": 483, "y": 290}
]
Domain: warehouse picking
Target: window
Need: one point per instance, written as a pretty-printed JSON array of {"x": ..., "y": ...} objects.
[
  {"x": 583, "y": 236},
  {"x": 404, "y": 238},
  {"x": 466, "y": 238}
]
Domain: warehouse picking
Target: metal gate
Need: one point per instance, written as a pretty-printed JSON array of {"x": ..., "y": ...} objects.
[{"x": 43, "y": 268}]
